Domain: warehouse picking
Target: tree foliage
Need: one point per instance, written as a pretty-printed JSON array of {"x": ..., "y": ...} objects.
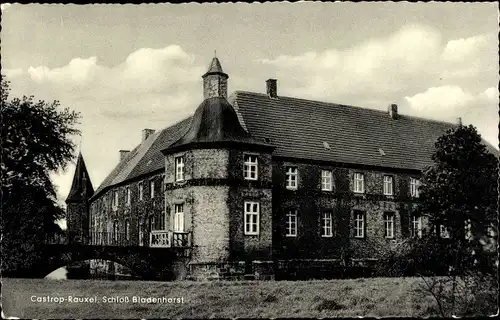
[
  {"x": 35, "y": 141},
  {"x": 459, "y": 192}
]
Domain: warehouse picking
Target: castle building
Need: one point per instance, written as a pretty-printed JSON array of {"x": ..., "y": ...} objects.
[{"x": 253, "y": 179}]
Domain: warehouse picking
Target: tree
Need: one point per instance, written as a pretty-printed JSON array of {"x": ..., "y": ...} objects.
[
  {"x": 35, "y": 138},
  {"x": 459, "y": 195}
]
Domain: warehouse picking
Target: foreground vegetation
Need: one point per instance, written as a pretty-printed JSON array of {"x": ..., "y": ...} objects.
[{"x": 378, "y": 297}]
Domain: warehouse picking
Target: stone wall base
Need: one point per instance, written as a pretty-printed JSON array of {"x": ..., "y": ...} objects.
[
  {"x": 231, "y": 270},
  {"x": 297, "y": 269}
]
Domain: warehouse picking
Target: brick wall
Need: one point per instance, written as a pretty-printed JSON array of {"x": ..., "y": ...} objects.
[
  {"x": 310, "y": 202},
  {"x": 104, "y": 213}
]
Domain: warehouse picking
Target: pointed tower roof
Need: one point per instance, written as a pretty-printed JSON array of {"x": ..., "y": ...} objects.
[
  {"x": 81, "y": 188},
  {"x": 215, "y": 67},
  {"x": 215, "y": 121}
]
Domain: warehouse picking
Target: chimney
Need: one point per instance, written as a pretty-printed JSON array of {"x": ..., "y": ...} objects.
[
  {"x": 272, "y": 88},
  {"x": 459, "y": 121},
  {"x": 393, "y": 111},
  {"x": 146, "y": 133},
  {"x": 123, "y": 154}
]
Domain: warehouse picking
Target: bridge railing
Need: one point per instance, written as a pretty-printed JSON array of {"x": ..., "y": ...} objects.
[
  {"x": 157, "y": 239},
  {"x": 119, "y": 239}
]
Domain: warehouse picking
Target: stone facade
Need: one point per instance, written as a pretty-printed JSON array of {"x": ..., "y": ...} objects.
[
  {"x": 233, "y": 226},
  {"x": 213, "y": 193}
]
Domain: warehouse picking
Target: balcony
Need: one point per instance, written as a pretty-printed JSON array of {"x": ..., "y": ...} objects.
[{"x": 167, "y": 239}]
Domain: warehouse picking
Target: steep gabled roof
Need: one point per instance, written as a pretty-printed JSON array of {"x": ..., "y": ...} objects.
[
  {"x": 338, "y": 133},
  {"x": 298, "y": 128},
  {"x": 146, "y": 157},
  {"x": 81, "y": 188}
]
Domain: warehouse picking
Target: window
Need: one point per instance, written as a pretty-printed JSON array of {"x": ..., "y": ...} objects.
[
  {"x": 291, "y": 223},
  {"x": 416, "y": 226},
  {"x": 468, "y": 231},
  {"x": 291, "y": 178},
  {"x": 179, "y": 218},
  {"x": 327, "y": 224},
  {"x": 359, "y": 224},
  {"x": 490, "y": 230},
  {"x": 250, "y": 168},
  {"x": 141, "y": 191},
  {"x": 359, "y": 182},
  {"x": 127, "y": 230},
  {"x": 251, "y": 218},
  {"x": 115, "y": 200},
  {"x": 115, "y": 231},
  {"x": 179, "y": 169},
  {"x": 388, "y": 191},
  {"x": 444, "y": 232},
  {"x": 414, "y": 185},
  {"x": 128, "y": 196},
  {"x": 152, "y": 188},
  {"x": 326, "y": 180},
  {"x": 389, "y": 225}
]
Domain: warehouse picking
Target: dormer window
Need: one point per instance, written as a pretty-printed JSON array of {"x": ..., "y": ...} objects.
[
  {"x": 291, "y": 178},
  {"x": 388, "y": 183},
  {"x": 250, "y": 168},
  {"x": 359, "y": 182},
  {"x": 179, "y": 169}
]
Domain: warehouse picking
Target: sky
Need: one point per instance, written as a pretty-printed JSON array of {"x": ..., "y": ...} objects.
[{"x": 129, "y": 67}]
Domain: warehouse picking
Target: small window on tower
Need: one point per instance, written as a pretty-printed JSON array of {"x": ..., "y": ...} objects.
[{"x": 250, "y": 168}]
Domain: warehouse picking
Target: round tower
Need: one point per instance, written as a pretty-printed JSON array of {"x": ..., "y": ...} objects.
[{"x": 206, "y": 190}]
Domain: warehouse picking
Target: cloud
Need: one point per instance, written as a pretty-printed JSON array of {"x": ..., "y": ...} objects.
[
  {"x": 444, "y": 99},
  {"x": 150, "y": 88},
  {"x": 368, "y": 69},
  {"x": 460, "y": 49},
  {"x": 428, "y": 76},
  {"x": 450, "y": 102},
  {"x": 77, "y": 72}
]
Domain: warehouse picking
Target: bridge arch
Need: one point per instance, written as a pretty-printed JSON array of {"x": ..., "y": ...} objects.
[{"x": 145, "y": 263}]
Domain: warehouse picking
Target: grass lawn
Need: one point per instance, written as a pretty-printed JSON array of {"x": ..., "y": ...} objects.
[{"x": 376, "y": 297}]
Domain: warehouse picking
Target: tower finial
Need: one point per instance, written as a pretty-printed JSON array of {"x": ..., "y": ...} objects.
[{"x": 215, "y": 53}]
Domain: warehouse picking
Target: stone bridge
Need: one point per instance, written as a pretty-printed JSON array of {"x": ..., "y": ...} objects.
[{"x": 147, "y": 262}]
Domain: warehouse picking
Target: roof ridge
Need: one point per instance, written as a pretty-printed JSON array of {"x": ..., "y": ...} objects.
[{"x": 344, "y": 105}]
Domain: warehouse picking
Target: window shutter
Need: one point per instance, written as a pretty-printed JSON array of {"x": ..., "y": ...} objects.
[
  {"x": 404, "y": 215},
  {"x": 365, "y": 222},
  {"x": 319, "y": 223},
  {"x": 403, "y": 190},
  {"x": 342, "y": 180}
]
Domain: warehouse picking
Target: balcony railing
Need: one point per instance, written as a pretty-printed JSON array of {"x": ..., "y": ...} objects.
[
  {"x": 181, "y": 239},
  {"x": 165, "y": 238},
  {"x": 159, "y": 239}
]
